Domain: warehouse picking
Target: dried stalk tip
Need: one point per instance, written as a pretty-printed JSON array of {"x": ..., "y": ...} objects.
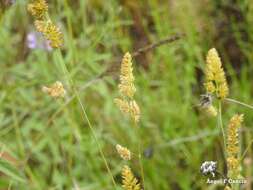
[
  {"x": 38, "y": 9},
  {"x": 56, "y": 90},
  {"x": 129, "y": 182},
  {"x": 215, "y": 76},
  {"x": 233, "y": 162},
  {"x": 123, "y": 152}
]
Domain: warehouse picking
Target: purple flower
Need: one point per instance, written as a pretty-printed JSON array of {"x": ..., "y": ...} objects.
[{"x": 35, "y": 40}]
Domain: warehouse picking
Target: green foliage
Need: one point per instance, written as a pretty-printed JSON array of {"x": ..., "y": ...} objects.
[{"x": 54, "y": 145}]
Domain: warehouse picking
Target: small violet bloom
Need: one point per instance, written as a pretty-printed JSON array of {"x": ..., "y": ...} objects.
[{"x": 35, "y": 40}]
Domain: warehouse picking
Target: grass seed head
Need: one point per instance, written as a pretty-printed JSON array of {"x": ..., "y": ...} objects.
[
  {"x": 56, "y": 90},
  {"x": 215, "y": 75},
  {"x": 51, "y": 32},
  {"x": 54, "y": 35},
  {"x": 126, "y": 86},
  {"x": 123, "y": 152},
  {"x": 233, "y": 162},
  {"x": 38, "y": 9},
  {"x": 129, "y": 182}
]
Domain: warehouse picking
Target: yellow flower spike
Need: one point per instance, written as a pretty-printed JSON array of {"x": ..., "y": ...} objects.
[
  {"x": 232, "y": 139},
  {"x": 38, "y": 8},
  {"x": 126, "y": 86},
  {"x": 129, "y": 182},
  {"x": 123, "y": 152},
  {"x": 232, "y": 145},
  {"x": 126, "y": 103},
  {"x": 54, "y": 35},
  {"x": 43, "y": 24},
  {"x": 215, "y": 75},
  {"x": 51, "y": 32}
]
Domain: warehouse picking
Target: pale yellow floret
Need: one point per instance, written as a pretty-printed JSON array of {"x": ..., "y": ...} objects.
[
  {"x": 135, "y": 111},
  {"x": 122, "y": 104},
  {"x": 211, "y": 111},
  {"x": 210, "y": 87},
  {"x": 56, "y": 90},
  {"x": 40, "y": 25},
  {"x": 123, "y": 152}
]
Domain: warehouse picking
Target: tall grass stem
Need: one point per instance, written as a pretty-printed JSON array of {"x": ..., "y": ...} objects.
[{"x": 71, "y": 83}]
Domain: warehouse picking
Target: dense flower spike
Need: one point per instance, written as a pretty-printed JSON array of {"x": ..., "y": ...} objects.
[
  {"x": 126, "y": 86},
  {"x": 56, "y": 90},
  {"x": 51, "y": 32},
  {"x": 54, "y": 35},
  {"x": 126, "y": 103},
  {"x": 129, "y": 182},
  {"x": 38, "y": 8},
  {"x": 123, "y": 152},
  {"x": 232, "y": 146},
  {"x": 44, "y": 25},
  {"x": 215, "y": 76}
]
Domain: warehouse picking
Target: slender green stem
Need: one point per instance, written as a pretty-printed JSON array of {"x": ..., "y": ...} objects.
[
  {"x": 85, "y": 116},
  {"x": 221, "y": 127},
  {"x": 238, "y": 102},
  {"x": 140, "y": 153},
  {"x": 246, "y": 150}
]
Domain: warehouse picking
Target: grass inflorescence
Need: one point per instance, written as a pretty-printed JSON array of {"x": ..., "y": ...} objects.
[{"x": 69, "y": 134}]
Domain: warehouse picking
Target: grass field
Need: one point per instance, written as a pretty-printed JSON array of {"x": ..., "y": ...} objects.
[{"x": 52, "y": 144}]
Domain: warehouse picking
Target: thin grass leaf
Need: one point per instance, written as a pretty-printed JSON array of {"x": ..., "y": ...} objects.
[{"x": 9, "y": 170}]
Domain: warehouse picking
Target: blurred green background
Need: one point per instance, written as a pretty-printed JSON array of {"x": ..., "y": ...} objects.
[{"x": 45, "y": 143}]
